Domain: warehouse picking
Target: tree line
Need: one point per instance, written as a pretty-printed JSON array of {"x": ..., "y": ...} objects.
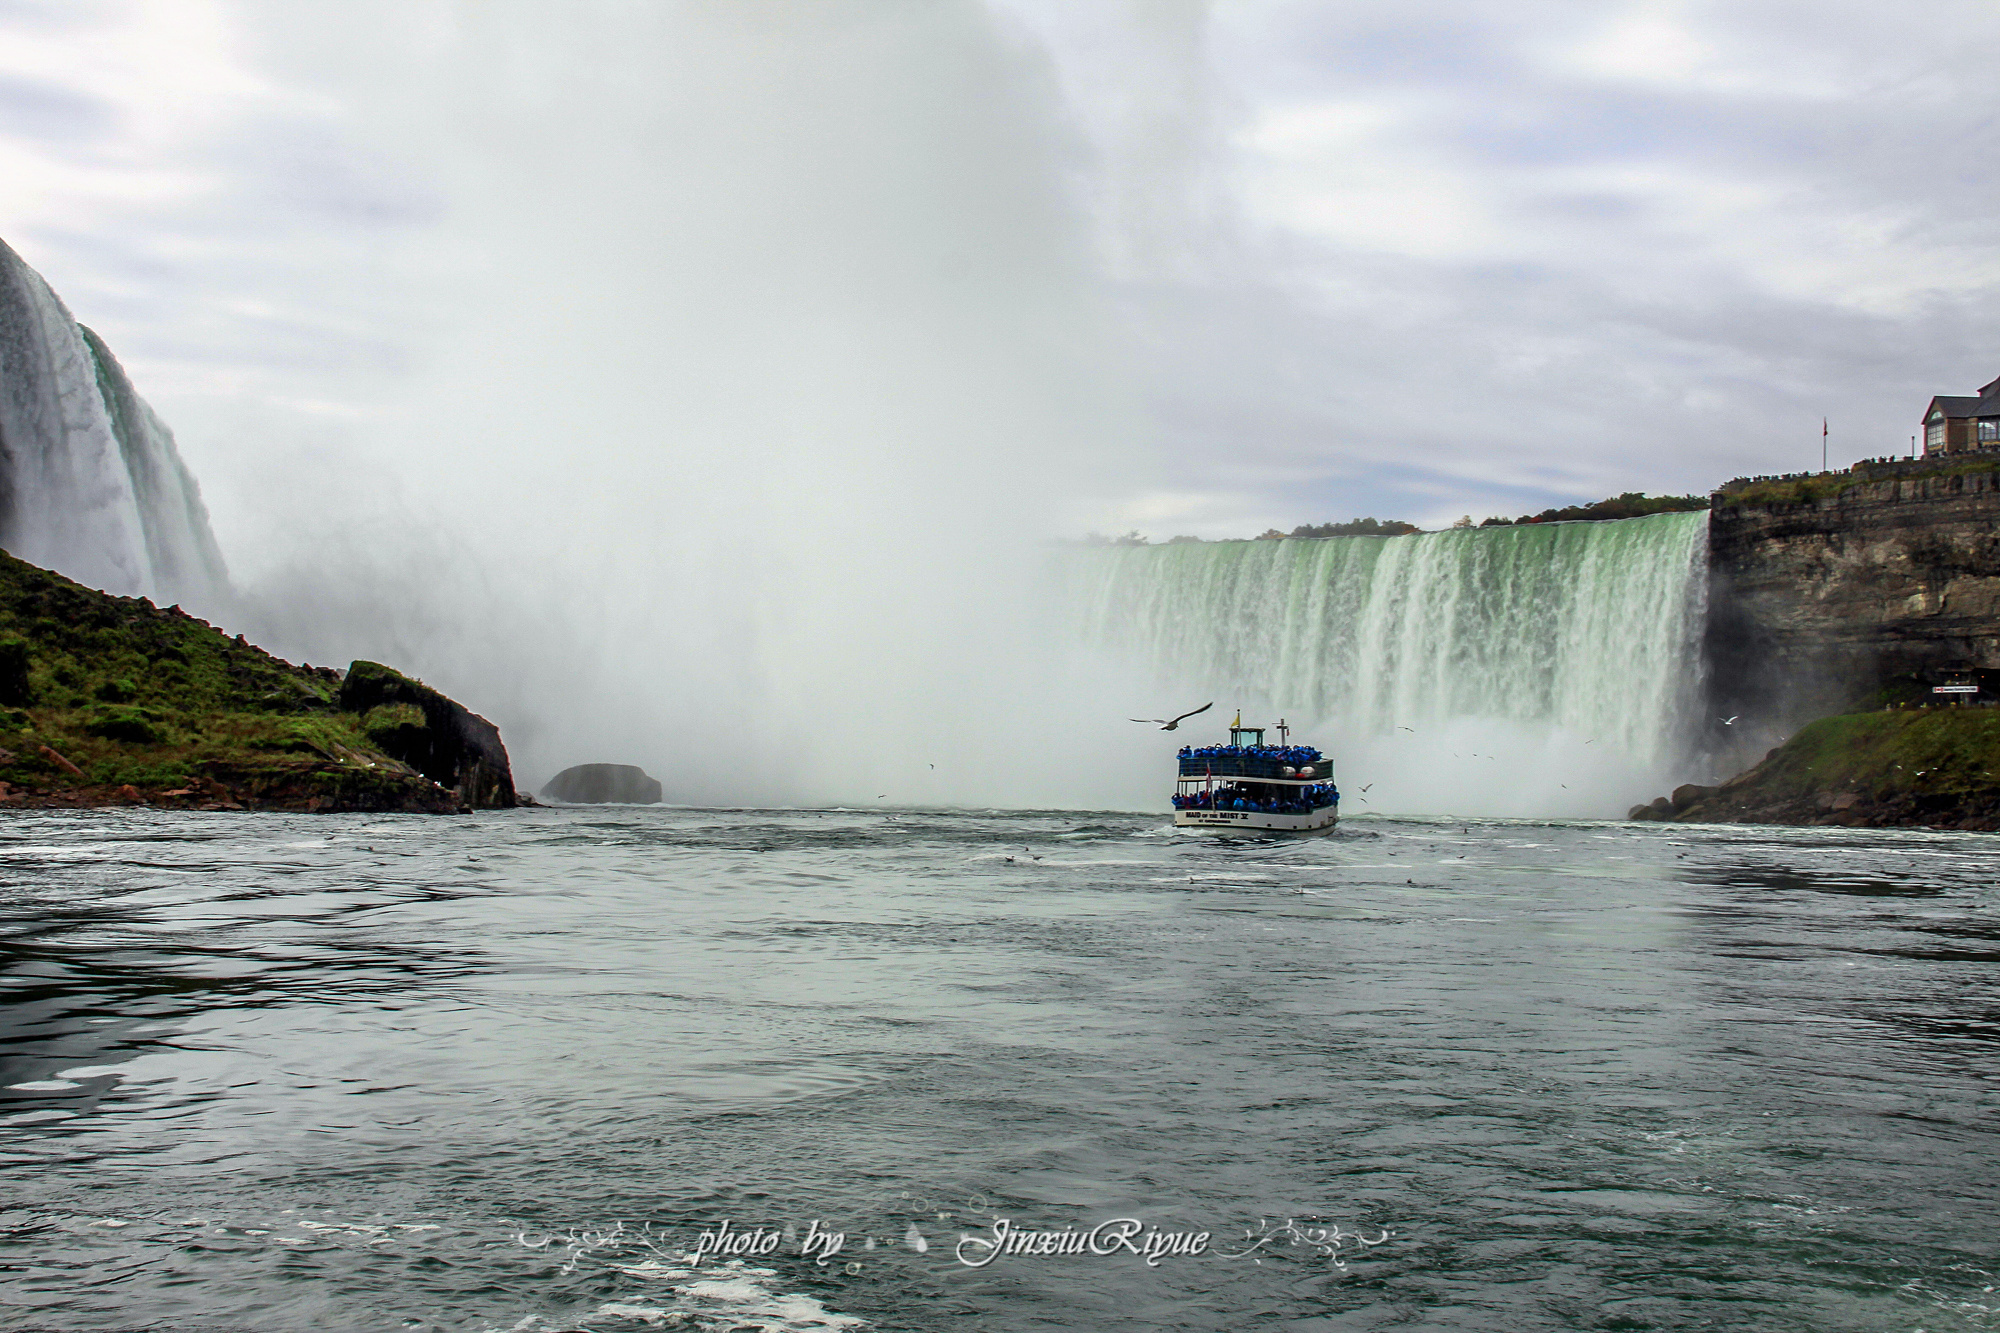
[{"x": 1632, "y": 504}]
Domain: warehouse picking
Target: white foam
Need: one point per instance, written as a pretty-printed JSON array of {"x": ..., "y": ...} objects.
[{"x": 734, "y": 1294}]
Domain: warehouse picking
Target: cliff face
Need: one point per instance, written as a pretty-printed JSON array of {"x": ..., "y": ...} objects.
[
  {"x": 1825, "y": 590},
  {"x": 440, "y": 738}
]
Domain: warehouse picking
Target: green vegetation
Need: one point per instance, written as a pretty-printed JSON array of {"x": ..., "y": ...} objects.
[
  {"x": 1354, "y": 527},
  {"x": 1936, "y": 766},
  {"x": 1830, "y": 485},
  {"x": 1632, "y": 504},
  {"x": 105, "y": 693},
  {"x": 1927, "y": 751},
  {"x": 1795, "y": 490}
]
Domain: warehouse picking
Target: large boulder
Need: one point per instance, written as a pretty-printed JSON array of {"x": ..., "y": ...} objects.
[
  {"x": 603, "y": 784},
  {"x": 443, "y": 740}
]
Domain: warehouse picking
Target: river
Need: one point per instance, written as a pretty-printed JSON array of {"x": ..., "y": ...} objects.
[{"x": 505, "y": 1072}]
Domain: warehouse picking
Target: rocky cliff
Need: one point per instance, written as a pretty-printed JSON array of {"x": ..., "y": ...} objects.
[
  {"x": 440, "y": 738},
  {"x": 1825, "y": 591},
  {"x": 1935, "y": 767},
  {"x": 112, "y": 700}
]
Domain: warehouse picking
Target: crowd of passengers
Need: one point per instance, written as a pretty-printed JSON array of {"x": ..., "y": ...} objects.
[
  {"x": 1284, "y": 754},
  {"x": 1235, "y": 796}
]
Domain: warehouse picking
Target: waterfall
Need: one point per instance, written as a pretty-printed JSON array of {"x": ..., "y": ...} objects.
[
  {"x": 90, "y": 482},
  {"x": 1548, "y": 651}
]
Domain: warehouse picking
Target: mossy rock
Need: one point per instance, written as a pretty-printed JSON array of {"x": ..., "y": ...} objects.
[
  {"x": 1938, "y": 766},
  {"x": 136, "y": 726},
  {"x": 134, "y": 694},
  {"x": 394, "y": 726}
]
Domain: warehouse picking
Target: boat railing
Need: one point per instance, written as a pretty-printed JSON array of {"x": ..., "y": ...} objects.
[{"x": 1253, "y": 766}]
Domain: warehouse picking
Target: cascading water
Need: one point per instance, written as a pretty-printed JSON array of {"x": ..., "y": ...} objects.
[
  {"x": 90, "y": 482},
  {"x": 1478, "y": 670}
]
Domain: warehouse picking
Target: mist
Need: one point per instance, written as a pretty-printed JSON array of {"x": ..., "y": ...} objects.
[
  {"x": 751, "y": 357},
  {"x": 705, "y": 388}
]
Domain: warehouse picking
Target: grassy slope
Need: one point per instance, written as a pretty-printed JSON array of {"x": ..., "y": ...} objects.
[
  {"x": 1934, "y": 766},
  {"x": 153, "y": 700}
]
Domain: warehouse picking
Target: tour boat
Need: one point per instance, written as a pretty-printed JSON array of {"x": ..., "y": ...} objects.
[{"x": 1247, "y": 784}]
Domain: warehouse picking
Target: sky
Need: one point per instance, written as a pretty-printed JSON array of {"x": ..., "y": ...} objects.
[{"x": 1346, "y": 258}]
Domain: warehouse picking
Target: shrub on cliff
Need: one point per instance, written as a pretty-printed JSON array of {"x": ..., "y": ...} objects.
[
  {"x": 1632, "y": 504},
  {"x": 140, "y": 726},
  {"x": 100, "y": 692},
  {"x": 15, "y": 689},
  {"x": 1355, "y": 527}
]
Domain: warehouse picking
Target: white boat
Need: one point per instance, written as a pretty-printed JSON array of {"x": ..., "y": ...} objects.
[{"x": 1247, "y": 784}]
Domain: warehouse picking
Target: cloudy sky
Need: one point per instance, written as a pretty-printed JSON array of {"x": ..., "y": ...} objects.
[{"x": 1307, "y": 260}]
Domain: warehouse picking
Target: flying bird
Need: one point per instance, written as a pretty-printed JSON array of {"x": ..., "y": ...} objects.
[
  {"x": 1728, "y": 721},
  {"x": 1369, "y": 785},
  {"x": 1169, "y": 724}
]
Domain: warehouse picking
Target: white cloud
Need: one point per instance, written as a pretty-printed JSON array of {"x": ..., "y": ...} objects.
[{"x": 1371, "y": 257}]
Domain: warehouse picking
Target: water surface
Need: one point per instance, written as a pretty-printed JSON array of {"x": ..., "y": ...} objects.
[{"x": 500, "y": 1072}]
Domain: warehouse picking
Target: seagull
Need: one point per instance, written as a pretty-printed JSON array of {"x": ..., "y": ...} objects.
[
  {"x": 1728, "y": 721},
  {"x": 1369, "y": 785},
  {"x": 1411, "y": 730},
  {"x": 1171, "y": 723}
]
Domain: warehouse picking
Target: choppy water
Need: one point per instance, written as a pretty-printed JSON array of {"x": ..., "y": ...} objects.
[{"x": 283, "y": 1072}]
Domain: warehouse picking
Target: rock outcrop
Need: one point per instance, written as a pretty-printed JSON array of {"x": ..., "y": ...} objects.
[
  {"x": 443, "y": 740},
  {"x": 603, "y": 784},
  {"x": 112, "y": 700},
  {"x": 1826, "y": 590},
  {"x": 1930, "y": 767}
]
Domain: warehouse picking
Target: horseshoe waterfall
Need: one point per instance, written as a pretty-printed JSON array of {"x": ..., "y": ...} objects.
[
  {"x": 90, "y": 482},
  {"x": 1536, "y": 669}
]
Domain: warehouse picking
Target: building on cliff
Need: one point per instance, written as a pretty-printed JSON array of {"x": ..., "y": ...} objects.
[{"x": 1955, "y": 425}]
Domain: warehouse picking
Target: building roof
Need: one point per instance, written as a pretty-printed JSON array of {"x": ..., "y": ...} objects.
[{"x": 1955, "y": 407}]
